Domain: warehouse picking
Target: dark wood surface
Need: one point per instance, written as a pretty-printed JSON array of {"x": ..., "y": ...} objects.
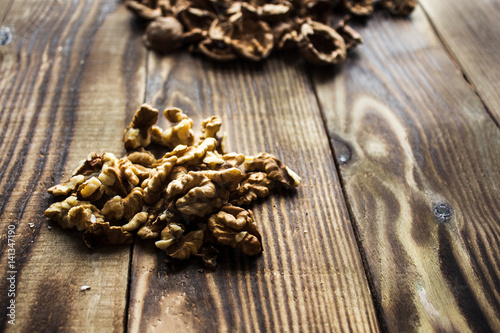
[
  {"x": 394, "y": 227},
  {"x": 415, "y": 144}
]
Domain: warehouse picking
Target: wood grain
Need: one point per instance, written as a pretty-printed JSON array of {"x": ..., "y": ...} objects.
[
  {"x": 418, "y": 157},
  {"x": 69, "y": 81},
  {"x": 310, "y": 276},
  {"x": 470, "y": 31}
]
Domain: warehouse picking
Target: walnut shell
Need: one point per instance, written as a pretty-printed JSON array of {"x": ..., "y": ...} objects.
[
  {"x": 399, "y": 7},
  {"x": 252, "y": 40},
  {"x": 321, "y": 44},
  {"x": 164, "y": 34},
  {"x": 359, "y": 7}
]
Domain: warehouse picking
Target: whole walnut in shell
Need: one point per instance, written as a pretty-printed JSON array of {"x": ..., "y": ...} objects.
[{"x": 164, "y": 34}]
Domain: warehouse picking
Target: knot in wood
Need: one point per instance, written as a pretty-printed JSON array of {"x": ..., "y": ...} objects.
[
  {"x": 443, "y": 212},
  {"x": 5, "y": 35}
]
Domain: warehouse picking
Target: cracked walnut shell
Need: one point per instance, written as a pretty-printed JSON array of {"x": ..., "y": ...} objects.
[
  {"x": 321, "y": 44},
  {"x": 164, "y": 34}
]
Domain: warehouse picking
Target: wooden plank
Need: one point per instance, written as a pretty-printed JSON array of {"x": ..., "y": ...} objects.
[
  {"x": 418, "y": 157},
  {"x": 70, "y": 82},
  {"x": 470, "y": 31},
  {"x": 310, "y": 276}
]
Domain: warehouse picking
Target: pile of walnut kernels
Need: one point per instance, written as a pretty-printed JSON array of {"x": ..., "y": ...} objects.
[
  {"x": 187, "y": 201},
  {"x": 252, "y": 29}
]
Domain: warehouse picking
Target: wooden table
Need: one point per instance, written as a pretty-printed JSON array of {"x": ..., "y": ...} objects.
[{"x": 396, "y": 225}]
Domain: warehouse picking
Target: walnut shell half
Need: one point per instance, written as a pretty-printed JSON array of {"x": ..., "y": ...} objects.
[
  {"x": 321, "y": 44},
  {"x": 252, "y": 40},
  {"x": 399, "y": 7}
]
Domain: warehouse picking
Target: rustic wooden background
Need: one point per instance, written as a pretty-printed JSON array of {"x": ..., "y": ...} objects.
[{"x": 396, "y": 225}]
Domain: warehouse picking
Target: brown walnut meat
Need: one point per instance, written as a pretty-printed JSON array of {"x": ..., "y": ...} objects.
[
  {"x": 138, "y": 133},
  {"x": 235, "y": 227},
  {"x": 182, "y": 201},
  {"x": 102, "y": 233},
  {"x": 179, "y": 134},
  {"x": 72, "y": 213},
  {"x": 210, "y": 127},
  {"x": 255, "y": 186},
  {"x": 90, "y": 165},
  {"x": 70, "y": 186},
  {"x": 274, "y": 169},
  {"x": 176, "y": 244}
]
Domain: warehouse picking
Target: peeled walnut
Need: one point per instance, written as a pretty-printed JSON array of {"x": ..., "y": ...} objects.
[
  {"x": 138, "y": 133},
  {"x": 117, "y": 207},
  {"x": 90, "y": 165},
  {"x": 252, "y": 40},
  {"x": 120, "y": 176},
  {"x": 179, "y": 134},
  {"x": 359, "y": 7},
  {"x": 233, "y": 159},
  {"x": 274, "y": 169},
  {"x": 202, "y": 200},
  {"x": 91, "y": 190},
  {"x": 201, "y": 192},
  {"x": 171, "y": 233},
  {"x": 72, "y": 213},
  {"x": 164, "y": 34},
  {"x": 102, "y": 233},
  {"x": 255, "y": 185},
  {"x": 144, "y": 158},
  {"x": 155, "y": 184},
  {"x": 210, "y": 126},
  {"x": 399, "y": 7},
  {"x": 235, "y": 226},
  {"x": 195, "y": 154},
  {"x": 161, "y": 198},
  {"x": 321, "y": 45},
  {"x": 136, "y": 221},
  {"x": 213, "y": 160},
  {"x": 68, "y": 187},
  {"x": 157, "y": 220},
  {"x": 183, "y": 182},
  {"x": 177, "y": 244}
]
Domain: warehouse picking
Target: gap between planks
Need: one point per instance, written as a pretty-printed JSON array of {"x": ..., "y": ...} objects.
[{"x": 460, "y": 67}]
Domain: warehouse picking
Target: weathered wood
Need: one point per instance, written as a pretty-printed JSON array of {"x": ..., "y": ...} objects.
[
  {"x": 310, "y": 276},
  {"x": 69, "y": 81},
  {"x": 418, "y": 156},
  {"x": 470, "y": 31}
]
